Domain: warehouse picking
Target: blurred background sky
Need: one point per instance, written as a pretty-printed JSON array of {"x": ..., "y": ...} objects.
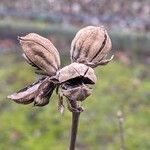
[
  {"x": 67, "y": 16},
  {"x": 122, "y": 85}
]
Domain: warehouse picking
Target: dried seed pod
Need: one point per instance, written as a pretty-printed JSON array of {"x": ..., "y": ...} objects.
[
  {"x": 44, "y": 92},
  {"x": 78, "y": 93},
  {"x": 77, "y": 71},
  {"x": 41, "y": 52},
  {"x": 90, "y": 46},
  {"x": 27, "y": 94}
]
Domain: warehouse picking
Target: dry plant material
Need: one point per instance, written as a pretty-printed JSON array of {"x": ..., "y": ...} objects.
[
  {"x": 89, "y": 49},
  {"x": 91, "y": 46}
]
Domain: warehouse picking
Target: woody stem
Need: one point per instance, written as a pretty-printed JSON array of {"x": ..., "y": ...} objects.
[{"x": 74, "y": 129}]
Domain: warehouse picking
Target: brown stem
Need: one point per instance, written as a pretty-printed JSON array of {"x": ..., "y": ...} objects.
[
  {"x": 121, "y": 128},
  {"x": 74, "y": 129}
]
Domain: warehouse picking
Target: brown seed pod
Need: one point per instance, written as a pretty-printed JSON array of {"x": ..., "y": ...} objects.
[
  {"x": 77, "y": 70},
  {"x": 41, "y": 52},
  {"x": 27, "y": 94},
  {"x": 44, "y": 92},
  {"x": 74, "y": 80},
  {"x": 90, "y": 46},
  {"x": 79, "y": 93}
]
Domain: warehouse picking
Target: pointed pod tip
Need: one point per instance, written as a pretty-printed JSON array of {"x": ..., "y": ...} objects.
[
  {"x": 18, "y": 37},
  {"x": 9, "y": 96},
  {"x": 112, "y": 57},
  {"x": 12, "y": 96}
]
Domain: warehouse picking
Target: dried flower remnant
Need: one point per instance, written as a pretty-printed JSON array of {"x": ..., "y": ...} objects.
[{"x": 89, "y": 49}]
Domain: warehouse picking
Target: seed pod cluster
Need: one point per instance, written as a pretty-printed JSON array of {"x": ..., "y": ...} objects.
[{"x": 89, "y": 49}]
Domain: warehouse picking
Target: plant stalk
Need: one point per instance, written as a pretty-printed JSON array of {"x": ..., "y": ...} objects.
[
  {"x": 74, "y": 129},
  {"x": 121, "y": 128}
]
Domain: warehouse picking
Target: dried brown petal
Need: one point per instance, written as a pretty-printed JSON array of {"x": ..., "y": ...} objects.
[
  {"x": 90, "y": 45},
  {"x": 41, "y": 52}
]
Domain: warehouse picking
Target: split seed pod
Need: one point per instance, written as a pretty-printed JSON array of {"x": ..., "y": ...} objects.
[
  {"x": 44, "y": 92},
  {"x": 91, "y": 46},
  {"x": 27, "y": 94},
  {"x": 77, "y": 70},
  {"x": 75, "y": 79},
  {"x": 41, "y": 53}
]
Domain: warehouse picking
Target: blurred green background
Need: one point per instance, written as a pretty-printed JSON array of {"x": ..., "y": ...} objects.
[{"x": 123, "y": 85}]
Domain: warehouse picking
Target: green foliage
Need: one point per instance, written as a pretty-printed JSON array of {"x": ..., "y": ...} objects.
[{"x": 119, "y": 87}]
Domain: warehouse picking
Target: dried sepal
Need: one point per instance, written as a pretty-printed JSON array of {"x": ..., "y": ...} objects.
[
  {"x": 44, "y": 92},
  {"x": 61, "y": 106},
  {"x": 102, "y": 62},
  {"x": 41, "y": 52},
  {"x": 90, "y": 46},
  {"x": 74, "y": 106},
  {"x": 27, "y": 94}
]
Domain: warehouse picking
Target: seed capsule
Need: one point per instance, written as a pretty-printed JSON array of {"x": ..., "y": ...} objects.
[
  {"x": 41, "y": 52},
  {"x": 77, "y": 70},
  {"x": 27, "y": 94},
  {"x": 90, "y": 45},
  {"x": 44, "y": 92},
  {"x": 79, "y": 93}
]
